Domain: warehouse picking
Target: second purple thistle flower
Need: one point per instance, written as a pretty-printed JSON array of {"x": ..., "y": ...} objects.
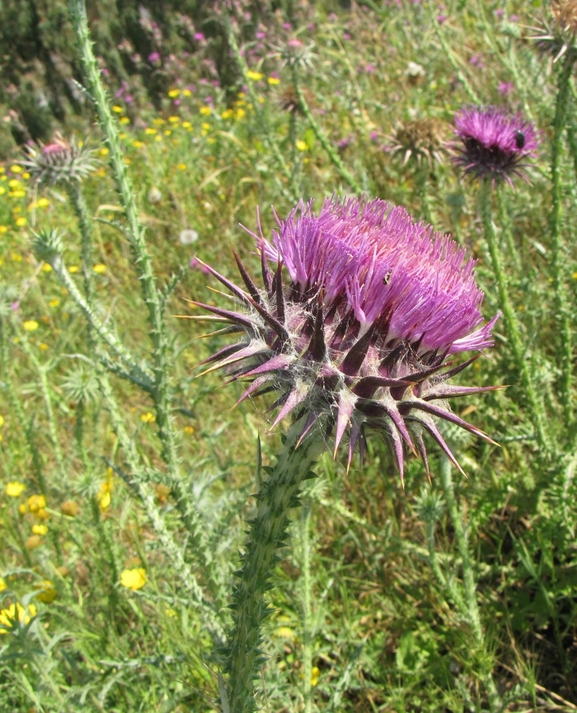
[
  {"x": 359, "y": 309},
  {"x": 491, "y": 143}
]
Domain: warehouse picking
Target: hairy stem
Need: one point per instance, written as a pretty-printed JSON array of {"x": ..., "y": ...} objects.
[
  {"x": 469, "y": 583},
  {"x": 343, "y": 171},
  {"x": 522, "y": 360},
  {"x": 267, "y": 534},
  {"x": 560, "y": 261}
]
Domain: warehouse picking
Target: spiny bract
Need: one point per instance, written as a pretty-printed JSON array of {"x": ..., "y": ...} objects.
[{"x": 359, "y": 309}]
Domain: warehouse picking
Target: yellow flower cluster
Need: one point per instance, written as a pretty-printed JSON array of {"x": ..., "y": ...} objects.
[{"x": 16, "y": 614}]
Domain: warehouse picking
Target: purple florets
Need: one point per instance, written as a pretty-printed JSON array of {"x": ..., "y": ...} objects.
[
  {"x": 493, "y": 143},
  {"x": 360, "y": 328}
]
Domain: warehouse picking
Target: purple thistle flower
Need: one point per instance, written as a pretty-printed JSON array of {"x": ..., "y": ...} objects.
[
  {"x": 491, "y": 143},
  {"x": 360, "y": 307}
]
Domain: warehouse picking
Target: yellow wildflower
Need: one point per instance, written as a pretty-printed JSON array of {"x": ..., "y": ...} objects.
[
  {"x": 167, "y": 132},
  {"x": 36, "y": 503},
  {"x": 117, "y": 109},
  {"x": 42, "y": 514},
  {"x": 148, "y": 417},
  {"x": 205, "y": 110},
  {"x": 16, "y": 168},
  {"x": 104, "y": 151},
  {"x": 173, "y": 93},
  {"x": 54, "y": 303},
  {"x": 315, "y": 675},
  {"x": 181, "y": 166},
  {"x": 133, "y": 578},
  {"x": 16, "y": 613},
  {"x": 285, "y": 632},
  {"x": 3, "y": 585},
  {"x": 227, "y": 114},
  {"x": 189, "y": 430},
  {"x": 174, "y": 119},
  {"x": 47, "y": 267},
  {"x": 150, "y": 130},
  {"x": 254, "y": 76},
  {"x": 39, "y": 529},
  {"x": 239, "y": 113},
  {"x": 14, "y": 489},
  {"x": 137, "y": 144},
  {"x": 21, "y": 222},
  {"x": 302, "y": 145},
  {"x": 273, "y": 81},
  {"x": 2, "y": 190},
  {"x": 73, "y": 269},
  {"x": 99, "y": 268},
  {"x": 2, "y": 421},
  {"x": 186, "y": 125}
]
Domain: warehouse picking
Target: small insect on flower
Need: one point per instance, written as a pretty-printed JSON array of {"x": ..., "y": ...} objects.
[
  {"x": 360, "y": 308},
  {"x": 491, "y": 143}
]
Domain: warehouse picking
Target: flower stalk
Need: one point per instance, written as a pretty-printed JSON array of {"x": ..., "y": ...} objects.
[
  {"x": 522, "y": 362},
  {"x": 267, "y": 534},
  {"x": 562, "y": 308},
  {"x": 471, "y": 607}
]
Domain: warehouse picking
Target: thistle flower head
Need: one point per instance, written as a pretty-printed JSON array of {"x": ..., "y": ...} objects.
[
  {"x": 359, "y": 308},
  {"x": 59, "y": 161},
  {"x": 491, "y": 143},
  {"x": 420, "y": 142},
  {"x": 557, "y": 35}
]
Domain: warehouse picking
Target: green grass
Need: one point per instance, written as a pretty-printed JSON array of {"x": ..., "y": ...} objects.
[{"x": 364, "y": 614}]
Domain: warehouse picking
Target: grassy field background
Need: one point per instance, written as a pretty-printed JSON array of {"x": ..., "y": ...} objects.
[{"x": 99, "y": 558}]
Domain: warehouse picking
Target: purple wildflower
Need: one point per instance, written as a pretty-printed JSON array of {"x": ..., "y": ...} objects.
[
  {"x": 493, "y": 143},
  {"x": 505, "y": 88},
  {"x": 361, "y": 306}
]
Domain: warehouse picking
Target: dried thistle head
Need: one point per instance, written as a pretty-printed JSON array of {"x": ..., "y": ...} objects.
[
  {"x": 419, "y": 142},
  {"x": 60, "y": 161},
  {"x": 359, "y": 311},
  {"x": 556, "y": 35},
  {"x": 288, "y": 100}
]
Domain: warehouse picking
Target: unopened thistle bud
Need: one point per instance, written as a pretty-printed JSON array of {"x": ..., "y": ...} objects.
[
  {"x": 59, "y": 161},
  {"x": 492, "y": 143},
  {"x": 359, "y": 309}
]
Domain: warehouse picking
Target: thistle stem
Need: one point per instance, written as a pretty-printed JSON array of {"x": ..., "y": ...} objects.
[
  {"x": 135, "y": 233},
  {"x": 307, "y": 660},
  {"x": 345, "y": 174},
  {"x": 469, "y": 583},
  {"x": 522, "y": 362},
  {"x": 268, "y": 531},
  {"x": 560, "y": 261},
  {"x": 290, "y": 194}
]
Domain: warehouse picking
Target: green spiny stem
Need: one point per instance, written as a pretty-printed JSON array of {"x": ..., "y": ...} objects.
[
  {"x": 86, "y": 231},
  {"x": 267, "y": 534},
  {"x": 323, "y": 138},
  {"x": 142, "y": 260},
  {"x": 290, "y": 194},
  {"x": 469, "y": 584},
  {"x": 184, "y": 506},
  {"x": 451, "y": 56},
  {"x": 506, "y": 223},
  {"x": 307, "y": 629},
  {"x": 169, "y": 545},
  {"x": 139, "y": 374},
  {"x": 42, "y": 370},
  {"x": 562, "y": 307},
  {"x": 522, "y": 361}
]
